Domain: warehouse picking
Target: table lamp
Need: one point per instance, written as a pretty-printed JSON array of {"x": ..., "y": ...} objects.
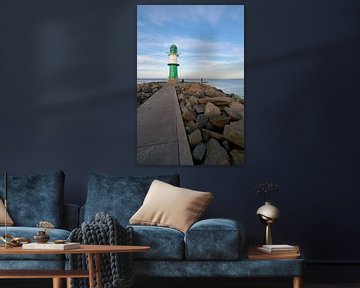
[{"x": 268, "y": 214}]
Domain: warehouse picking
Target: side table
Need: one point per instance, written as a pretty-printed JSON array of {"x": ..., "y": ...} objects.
[
  {"x": 288, "y": 259},
  {"x": 93, "y": 251}
]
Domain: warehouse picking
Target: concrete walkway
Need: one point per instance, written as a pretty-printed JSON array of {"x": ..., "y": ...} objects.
[{"x": 161, "y": 136}]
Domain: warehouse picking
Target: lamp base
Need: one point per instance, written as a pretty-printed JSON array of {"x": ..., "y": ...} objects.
[{"x": 268, "y": 237}]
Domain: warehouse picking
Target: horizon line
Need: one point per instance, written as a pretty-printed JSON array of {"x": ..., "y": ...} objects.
[{"x": 193, "y": 78}]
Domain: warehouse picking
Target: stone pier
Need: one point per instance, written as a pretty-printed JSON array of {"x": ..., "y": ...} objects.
[{"x": 161, "y": 136}]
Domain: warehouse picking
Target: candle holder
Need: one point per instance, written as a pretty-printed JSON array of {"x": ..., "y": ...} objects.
[{"x": 41, "y": 236}]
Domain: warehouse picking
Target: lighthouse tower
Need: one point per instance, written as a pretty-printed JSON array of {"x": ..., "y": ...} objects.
[{"x": 173, "y": 65}]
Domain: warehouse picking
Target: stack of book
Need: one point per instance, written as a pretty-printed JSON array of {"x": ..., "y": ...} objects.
[
  {"x": 282, "y": 251},
  {"x": 279, "y": 249},
  {"x": 51, "y": 246}
]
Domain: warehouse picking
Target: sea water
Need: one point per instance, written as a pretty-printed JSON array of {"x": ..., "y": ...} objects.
[{"x": 229, "y": 86}]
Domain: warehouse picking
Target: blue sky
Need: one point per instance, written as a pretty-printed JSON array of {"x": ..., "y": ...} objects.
[{"x": 210, "y": 39}]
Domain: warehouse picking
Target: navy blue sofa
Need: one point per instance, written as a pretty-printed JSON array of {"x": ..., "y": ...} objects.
[
  {"x": 32, "y": 199},
  {"x": 210, "y": 248}
]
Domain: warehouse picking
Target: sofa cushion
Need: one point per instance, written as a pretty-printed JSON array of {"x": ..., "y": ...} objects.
[
  {"x": 9, "y": 221},
  {"x": 29, "y": 232},
  {"x": 35, "y": 198},
  {"x": 119, "y": 196},
  {"x": 214, "y": 239},
  {"x": 165, "y": 243},
  {"x": 169, "y": 206}
]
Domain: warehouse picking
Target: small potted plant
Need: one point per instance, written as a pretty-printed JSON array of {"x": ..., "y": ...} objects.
[{"x": 264, "y": 189}]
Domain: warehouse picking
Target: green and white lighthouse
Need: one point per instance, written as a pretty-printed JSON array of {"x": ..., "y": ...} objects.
[{"x": 173, "y": 65}]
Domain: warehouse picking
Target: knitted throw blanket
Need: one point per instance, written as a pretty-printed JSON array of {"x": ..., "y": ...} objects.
[{"x": 116, "y": 268}]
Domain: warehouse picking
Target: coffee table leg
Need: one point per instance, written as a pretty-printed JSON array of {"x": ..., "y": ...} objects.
[
  {"x": 98, "y": 270},
  {"x": 91, "y": 270},
  {"x": 57, "y": 283},
  {"x": 68, "y": 282},
  {"x": 297, "y": 282}
]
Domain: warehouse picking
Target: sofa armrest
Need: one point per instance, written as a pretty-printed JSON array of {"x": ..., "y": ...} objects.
[
  {"x": 70, "y": 216},
  {"x": 215, "y": 239}
]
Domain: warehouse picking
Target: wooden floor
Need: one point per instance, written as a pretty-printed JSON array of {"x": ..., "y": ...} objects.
[
  {"x": 340, "y": 285},
  {"x": 45, "y": 283},
  {"x": 282, "y": 285}
]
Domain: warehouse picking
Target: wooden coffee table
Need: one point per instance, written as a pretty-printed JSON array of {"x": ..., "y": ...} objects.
[{"x": 92, "y": 251}]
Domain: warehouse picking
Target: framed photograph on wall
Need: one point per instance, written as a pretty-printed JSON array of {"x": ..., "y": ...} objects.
[{"x": 190, "y": 85}]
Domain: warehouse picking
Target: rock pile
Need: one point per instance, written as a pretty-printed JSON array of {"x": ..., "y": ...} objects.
[
  {"x": 214, "y": 123},
  {"x": 145, "y": 90}
]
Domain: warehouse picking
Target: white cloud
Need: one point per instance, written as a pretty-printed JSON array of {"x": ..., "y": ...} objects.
[
  {"x": 208, "y": 60},
  {"x": 191, "y": 47},
  {"x": 212, "y": 70},
  {"x": 148, "y": 60},
  {"x": 203, "y": 57}
]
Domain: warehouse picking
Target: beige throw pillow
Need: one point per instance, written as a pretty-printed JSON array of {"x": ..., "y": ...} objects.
[
  {"x": 9, "y": 221},
  {"x": 170, "y": 206}
]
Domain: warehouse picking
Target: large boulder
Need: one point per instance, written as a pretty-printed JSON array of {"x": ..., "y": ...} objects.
[
  {"x": 155, "y": 87},
  {"x": 219, "y": 101},
  {"x": 211, "y": 110},
  {"x": 181, "y": 96},
  {"x": 147, "y": 88},
  {"x": 200, "y": 94},
  {"x": 194, "y": 88},
  {"x": 199, "y": 108},
  {"x": 190, "y": 127},
  {"x": 188, "y": 103},
  {"x": 201, "y": 120},
  {"x": 199, "y": 152},
  {"x": 234, "y": 113},
  {"x": 209, "y": 126},
  {"x": 235, "y": 104},
  {"x": 234, "y": 132},
  {"x": 195, "y": 138},
  {"x": 216, "y": 154},
  {"x": 220, "y": 121},
  {"x": 188, "y": 115},
  {"x": 212, "y": 92},
  {"x": 194, "y": 100},
  {"x": 208, "y": 134}
]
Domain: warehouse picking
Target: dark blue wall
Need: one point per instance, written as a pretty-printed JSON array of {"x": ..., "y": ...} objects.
[{"x": 68, "y": 101}]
